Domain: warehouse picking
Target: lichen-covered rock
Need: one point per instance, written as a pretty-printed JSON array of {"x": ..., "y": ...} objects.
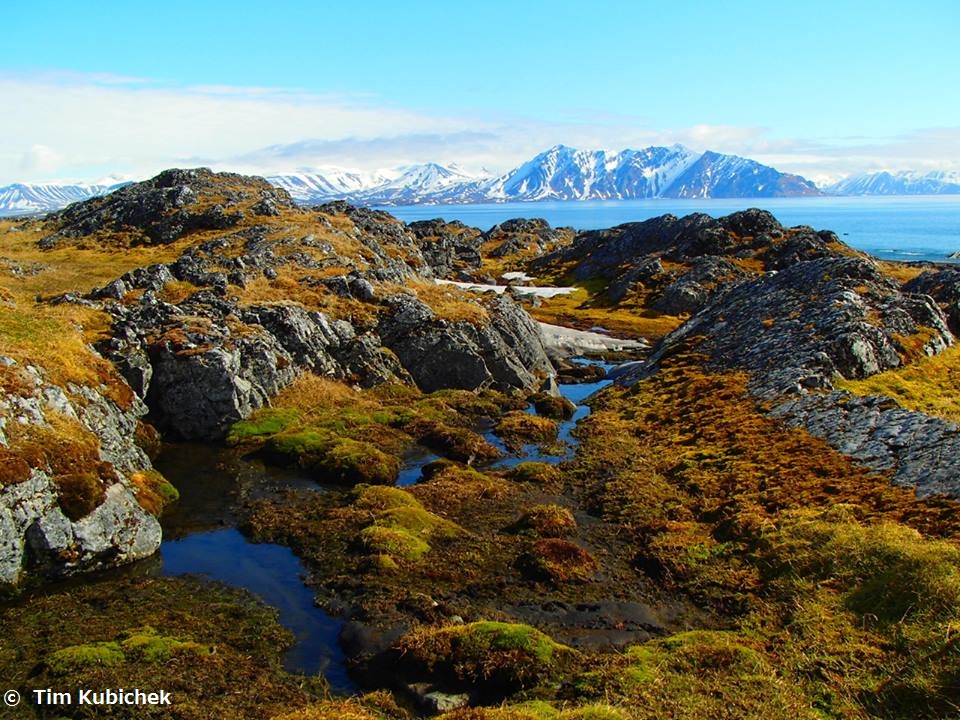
[
  {"x": 796, "y": 328},
  {"x": 943, "y": 286},
  {"x": 36, "y": 537},
  {"x": 448, "y": 247},
  {"x": 504, "y": 353},
  {"x": 72, "y": 506}
]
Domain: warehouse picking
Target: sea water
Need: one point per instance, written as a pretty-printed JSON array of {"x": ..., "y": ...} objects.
[{"x": 893, "y": 228}]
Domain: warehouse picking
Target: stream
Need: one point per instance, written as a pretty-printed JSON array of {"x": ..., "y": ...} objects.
[{"x": 201, "y": 537}]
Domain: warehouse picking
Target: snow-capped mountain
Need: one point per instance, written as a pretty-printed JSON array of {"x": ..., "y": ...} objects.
[
  {"x": 565, "y": 173},
  {"x": 334, "y": 182},
  {"x": 30, "y": 198},
  {"x": 714, "y": 175},
  {"x": 938, "y": 182}
]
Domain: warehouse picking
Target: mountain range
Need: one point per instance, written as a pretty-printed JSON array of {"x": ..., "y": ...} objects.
[
  {"x": 938, "y": 182},
  {"x": 560, "y": 173}
]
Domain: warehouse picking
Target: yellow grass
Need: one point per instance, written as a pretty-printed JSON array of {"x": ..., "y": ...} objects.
[
  {"x": 447, "y": 301},
  {"x": 900, "y": 272},
  {"x": 624, "y": 320},
  {"x": 931, "y": 385}
]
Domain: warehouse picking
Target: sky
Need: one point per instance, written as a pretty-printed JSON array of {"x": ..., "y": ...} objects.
[{"x": 824, "y": 89}]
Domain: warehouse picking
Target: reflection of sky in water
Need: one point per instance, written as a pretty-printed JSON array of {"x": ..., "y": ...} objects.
[{"x": 274, "y": 574}]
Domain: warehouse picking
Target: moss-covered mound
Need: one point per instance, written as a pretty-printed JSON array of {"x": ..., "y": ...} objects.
[
  {"x": 547, "y": 521},
  {"x": 344, "y": 436},
  {"x": 518, "y": 427},
  {"x": 560, "y": 561},
  {"x": 497, "y": 656},
  {"x": 139, "y": 645},
  {"x": 551, "y": 406}
]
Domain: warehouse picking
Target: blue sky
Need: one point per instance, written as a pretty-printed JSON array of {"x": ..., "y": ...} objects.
[{"x": 823, "y": 88}]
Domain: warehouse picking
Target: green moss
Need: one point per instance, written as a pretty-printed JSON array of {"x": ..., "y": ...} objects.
[
  {"x": 380, "y": 497},
  {"x": 294, "y": 446},
  {"x": 511, "y": 655},
  {"x": 536, "y": 709},
  {"x": 263, "y": 423},
  {"x": 398, "y": 544},
  {"x": 538, "y": 473},
  {"x": 710, "y": 651},
  {"x": 594, "y": 712},
  {"x": 419, "y": 522},
  {"x": 79, "y": 657},
  {"x": 153, "y": 491},
  {"x": 354, "y": 461},
  {"x": 146, "y": 645}
]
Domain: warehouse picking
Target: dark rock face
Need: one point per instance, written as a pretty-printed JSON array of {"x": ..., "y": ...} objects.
[
  {"x": 520, "y": 234},
  {"x": 170, "y": 205},
  {"x": 448, "y": 246},
  {"x": 804, "y": 324},
  {"x": 944, "y": 287},
  {"x": 691, "y": 290},
  {"x": 505, "y": 353}
]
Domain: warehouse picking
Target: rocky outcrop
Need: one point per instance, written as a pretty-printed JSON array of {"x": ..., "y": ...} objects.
[
  {"x": 212, "y": 355},
  {"x": 943, "y": 286},
  {"x": 77, "y": 510},
  {"x": 165, "y": 208},
  {"x": 797, "y": 329},
  {"x": 448, "y": 247},
  {"x": 677, "y": 264},
  {"x": 37, "y": 537},
  {"x": 506, "y": 352},
  {"x": 524, "y": 236}
]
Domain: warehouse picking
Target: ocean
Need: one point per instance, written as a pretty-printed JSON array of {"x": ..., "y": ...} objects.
[{"x": 893, "y": 228}]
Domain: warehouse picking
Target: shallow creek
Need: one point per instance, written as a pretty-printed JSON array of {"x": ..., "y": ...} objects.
[{"x": 202, "y": 538}]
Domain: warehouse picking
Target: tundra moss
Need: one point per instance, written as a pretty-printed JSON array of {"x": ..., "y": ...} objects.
[
  {"x": 395, "y": 543},
  {"x": 505, "y": 654}
]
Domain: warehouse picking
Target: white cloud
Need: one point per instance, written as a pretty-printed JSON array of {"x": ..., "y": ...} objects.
[
  {"x": 40, "y": 159},
  {"x": 72, "y": 126},
  {"x": 137, "y": 128}
]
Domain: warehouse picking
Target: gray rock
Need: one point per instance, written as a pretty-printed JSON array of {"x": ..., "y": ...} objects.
[
  {"x": 440, "y": 702},
  {"x": 119, "y": 530},
  {"x": 920, "y": 451},
  {"x": 504, "y": 353}
]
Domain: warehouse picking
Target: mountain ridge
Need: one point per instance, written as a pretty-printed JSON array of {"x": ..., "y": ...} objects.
[
  {"x": 558, "y": 173},
  {"x": 905, "y": 182}
]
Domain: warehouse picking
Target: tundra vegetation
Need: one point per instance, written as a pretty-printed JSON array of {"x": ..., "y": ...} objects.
[{"x": 758, "y": 571}]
